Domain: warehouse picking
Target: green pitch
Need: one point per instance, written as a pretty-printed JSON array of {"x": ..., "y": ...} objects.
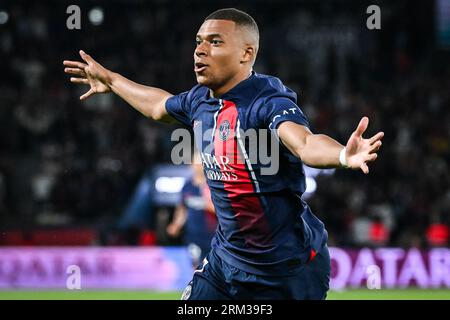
[{"x": 360, "y": 294}]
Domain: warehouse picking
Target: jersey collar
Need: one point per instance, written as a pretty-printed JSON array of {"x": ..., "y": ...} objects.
[{"x": 236, "y": 92}]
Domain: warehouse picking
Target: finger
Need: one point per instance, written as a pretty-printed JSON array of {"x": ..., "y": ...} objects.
[
  {"x": 375, "y": 147},
  {"x": 75, "y": 71},
  {"x": 87, "y": 58},
  {"x": 376, "y": 137},
  {"x": 79, "y": 80},
  {"x": 362, "y": 126},
  {"x": 74, "y": 64},
  {"x": 87, "y": 94},
  {"x": 364, "y": 168},
  {"x": 371, "y": 157}
]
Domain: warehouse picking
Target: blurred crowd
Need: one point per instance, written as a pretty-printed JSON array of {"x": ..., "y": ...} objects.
[{"x": 66, "y": 162}]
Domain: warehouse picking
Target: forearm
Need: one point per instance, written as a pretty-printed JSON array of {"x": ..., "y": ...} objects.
[
  {"x": 320, "y": 151},
  {"x": 147, "y": 100}
]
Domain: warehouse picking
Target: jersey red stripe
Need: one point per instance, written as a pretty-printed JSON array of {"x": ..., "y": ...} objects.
[{"x": 241, "y": 192}]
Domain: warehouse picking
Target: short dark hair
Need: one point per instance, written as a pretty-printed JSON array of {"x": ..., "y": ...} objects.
[{"x": 237, "y": 16}]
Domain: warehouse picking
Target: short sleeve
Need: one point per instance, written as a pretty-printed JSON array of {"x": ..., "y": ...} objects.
[
  {"x": 178, "y": 107},
  {"x": 280, "y": 109}
]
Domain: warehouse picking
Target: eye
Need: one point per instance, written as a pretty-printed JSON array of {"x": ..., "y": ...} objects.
[
  {"x": 198, "y": 41},
  {"x": 216, "y": 42}
]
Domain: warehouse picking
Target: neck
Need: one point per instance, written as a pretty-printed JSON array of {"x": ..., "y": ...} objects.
[{"x": 239, "y": 77}]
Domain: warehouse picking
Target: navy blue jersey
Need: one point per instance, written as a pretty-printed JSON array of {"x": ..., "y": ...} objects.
[
  {"x": 264, "y": 225},
  {"x": 200, "y": 224}
]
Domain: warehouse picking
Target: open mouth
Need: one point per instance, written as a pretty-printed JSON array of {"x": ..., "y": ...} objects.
[{"x": 199, "y": 67}]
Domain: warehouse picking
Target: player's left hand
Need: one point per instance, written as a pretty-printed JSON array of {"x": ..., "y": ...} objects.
[{"x": 360, "y": 151}]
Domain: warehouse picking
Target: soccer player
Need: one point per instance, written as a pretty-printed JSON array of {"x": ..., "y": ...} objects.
[
  {"x": 195, "y": 215},
  {"x": 268, "y": 245}
]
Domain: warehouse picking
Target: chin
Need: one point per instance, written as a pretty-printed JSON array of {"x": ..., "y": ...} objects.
[{"x": 204, "y": 81}]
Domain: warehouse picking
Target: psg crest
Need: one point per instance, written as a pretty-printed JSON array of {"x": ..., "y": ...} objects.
[{"x": 224, "y": 130}]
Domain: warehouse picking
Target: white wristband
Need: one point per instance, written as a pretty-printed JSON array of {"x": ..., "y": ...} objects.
[{"x": 343, "y": 158}]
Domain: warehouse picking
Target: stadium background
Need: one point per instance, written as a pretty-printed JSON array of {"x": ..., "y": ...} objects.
[{"x": 98, "y": 175}]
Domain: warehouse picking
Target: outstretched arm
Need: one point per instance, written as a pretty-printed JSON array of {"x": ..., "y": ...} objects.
[
  {"x": 321, "y": 151},
  {"x": 147, "y": 100}
]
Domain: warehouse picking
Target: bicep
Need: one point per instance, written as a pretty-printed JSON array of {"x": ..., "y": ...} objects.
[
  {"x": 177, "y": 108},
  {"x": 161, "y": 113},
  {"x": 293, "y": 136}
]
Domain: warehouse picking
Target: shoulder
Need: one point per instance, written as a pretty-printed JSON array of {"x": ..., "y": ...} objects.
[
  {"x": 272, "y": 90},
  {"x": 197, "y": 92},
  {"x": 272, "y": 94},
  {"x": 276, "y": 103},
  {"x": 270, "y": 82}
]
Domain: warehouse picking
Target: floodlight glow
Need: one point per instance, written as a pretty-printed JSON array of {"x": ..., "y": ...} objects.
[
  {"x": 169, "y": 184},
  {"x": 96, "y": 16},
  {"x": 4, "y": 17}
]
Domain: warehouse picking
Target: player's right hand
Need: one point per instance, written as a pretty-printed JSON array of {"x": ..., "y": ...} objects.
[{"x": 89, "y": 72}]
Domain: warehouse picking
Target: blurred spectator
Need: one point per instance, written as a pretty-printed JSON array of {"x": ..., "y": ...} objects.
[{"x": 195, "y": 216}]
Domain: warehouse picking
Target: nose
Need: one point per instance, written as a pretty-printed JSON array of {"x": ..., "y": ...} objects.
[{"x": 201, "y": 49}]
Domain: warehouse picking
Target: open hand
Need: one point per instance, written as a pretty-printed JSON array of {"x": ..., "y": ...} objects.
[
  {"x": 360, "y": 151},
  {"x": 89, "y": 72}
]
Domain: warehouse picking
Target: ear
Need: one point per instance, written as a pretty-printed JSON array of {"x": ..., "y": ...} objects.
[{"x": 249, "y": 54}]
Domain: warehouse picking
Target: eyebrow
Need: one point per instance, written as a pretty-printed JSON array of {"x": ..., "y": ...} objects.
[{"x": 212, "y": 35}]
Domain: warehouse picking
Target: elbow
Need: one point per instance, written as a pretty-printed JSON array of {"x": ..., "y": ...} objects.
[
  {"x": 300, "y": 151},
  {"x": 299, "y": 154}
]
